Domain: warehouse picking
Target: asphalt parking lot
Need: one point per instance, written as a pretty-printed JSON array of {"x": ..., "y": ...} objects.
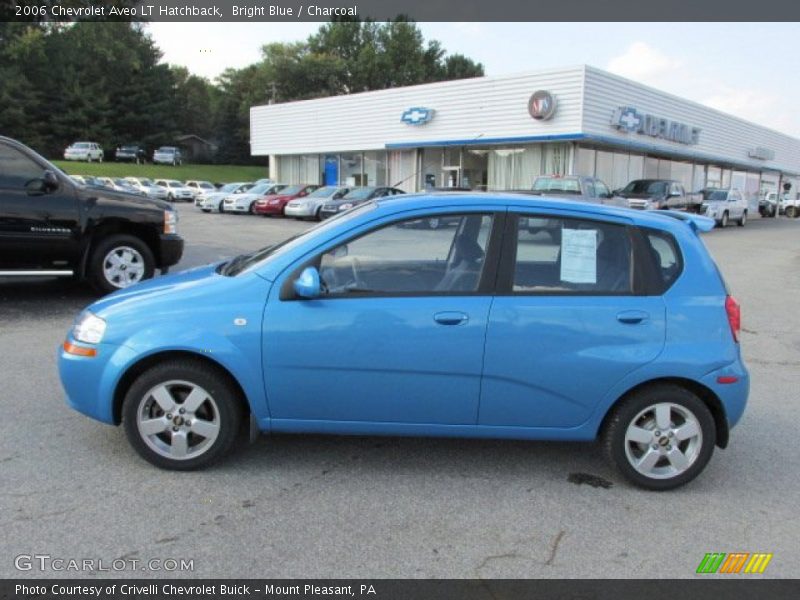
[{"x": 313, "y": 506}]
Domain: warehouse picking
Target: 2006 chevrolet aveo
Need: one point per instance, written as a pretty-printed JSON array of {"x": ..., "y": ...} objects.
[{"x": 524, "y": 318}]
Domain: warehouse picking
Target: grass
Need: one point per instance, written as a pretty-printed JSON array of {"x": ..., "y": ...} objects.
[{"x": 213, "y": 173}]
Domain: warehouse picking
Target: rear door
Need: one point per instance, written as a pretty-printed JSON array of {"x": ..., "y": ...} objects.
[{"x": 567, "y": 323}]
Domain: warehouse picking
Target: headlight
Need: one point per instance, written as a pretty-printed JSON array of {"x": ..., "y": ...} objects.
[
  {"x": 89, "y": 328},
  {"x": 273, "y": 202},
  {"x": 170, "y": 221},
  {"x": 345, "y": 206}
]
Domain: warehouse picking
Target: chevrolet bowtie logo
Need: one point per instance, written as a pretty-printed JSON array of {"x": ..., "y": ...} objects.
[{"x": 417, "y": 116}]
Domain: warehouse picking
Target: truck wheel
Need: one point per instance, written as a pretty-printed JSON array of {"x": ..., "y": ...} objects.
[
  {"x": 120, "y": 261},
  {"x": 742, "y": 220},
  {"x": 724, "y": 221},
  {"x": 791, "y": 212}
]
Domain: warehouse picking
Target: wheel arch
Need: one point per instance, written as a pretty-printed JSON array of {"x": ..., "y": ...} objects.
[
  {"x": 114, "y": 226},
  {"x": 707, "y": 395},
  {"x": 136, "y": 369}
]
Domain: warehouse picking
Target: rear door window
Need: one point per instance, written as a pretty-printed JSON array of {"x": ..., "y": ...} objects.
[{"x": 665, "y": 257}]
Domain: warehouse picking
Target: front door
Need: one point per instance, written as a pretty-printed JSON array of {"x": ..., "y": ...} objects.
[
  {"x": 38, "y": 226},
  {"x": 398, "y": 338},
  {"x": 567, "y": 325}
]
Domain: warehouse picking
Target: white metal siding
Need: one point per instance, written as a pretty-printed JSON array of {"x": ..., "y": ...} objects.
[
  {"x": 478, "y": 109},
  {"x": 722, "y": 136}
]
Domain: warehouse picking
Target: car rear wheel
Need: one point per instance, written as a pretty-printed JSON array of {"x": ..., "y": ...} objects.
[
  {"x": 252, "y": 208},
  {"x": 791, "y": 212},
  {"x": 660, "y": 437},
  {"x": 724, "y": 221},
  {"x": 120, "y": 261},
  {"x": 742, "y": 220},
  {"x": 181, "y": 415}
]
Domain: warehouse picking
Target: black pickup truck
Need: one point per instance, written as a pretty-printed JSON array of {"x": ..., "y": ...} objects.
[{"x": 52, "y": 226}]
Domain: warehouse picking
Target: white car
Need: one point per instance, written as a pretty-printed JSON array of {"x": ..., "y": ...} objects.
[
  {"x": 168, "y": 155},
  {"x": 176, "y": 191},
  {"x": 244, "y": 202},
  {"x": 724, "y": 206},
  {"x": 309, "y": 206},
  {"x": 87, "y": 151},
  {"x": 145, "y": 185},
  {"x": 201, "y": 188},
  {"x": 215, "y": 200}
]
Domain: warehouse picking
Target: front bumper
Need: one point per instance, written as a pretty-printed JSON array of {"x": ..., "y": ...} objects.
[
  {"x": 304, "y": 210},
  {"x": 170, "y": 249}
]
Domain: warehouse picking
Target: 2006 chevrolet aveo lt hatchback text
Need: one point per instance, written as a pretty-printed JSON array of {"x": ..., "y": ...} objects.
[{"x": 524, "y": 318}]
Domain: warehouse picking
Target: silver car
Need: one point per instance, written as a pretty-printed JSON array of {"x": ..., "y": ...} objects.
[
  {"x": 244, "y": 201},
  {"x": 176, "y": 190},
  {"x": 724, "y": 206},
  {"x": 576, "y": 187},
  {"x": 309, "y": 206},
  {"x": 215, "y": 201}
]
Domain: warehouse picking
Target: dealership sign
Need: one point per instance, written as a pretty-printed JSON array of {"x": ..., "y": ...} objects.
[
  {"x": 630, "y": 120},
  {"x": 542, "y": 105},
  {"x": 761, "y": 153},
  {"x": 417, "y": 115}
]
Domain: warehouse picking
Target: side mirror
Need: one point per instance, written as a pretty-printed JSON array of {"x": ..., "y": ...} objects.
[
  {"x": 308, "y": 284},
  {"x": 50, "y": 180}
]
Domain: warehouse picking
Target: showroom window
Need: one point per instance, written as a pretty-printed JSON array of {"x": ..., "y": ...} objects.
[
  {"x": 375, "y": 168},
  {"x": 350, "y": 172},
  {"x": 301, "y": 168}
]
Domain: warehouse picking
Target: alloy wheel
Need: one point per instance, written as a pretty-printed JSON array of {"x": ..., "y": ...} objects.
[{"x": 123, "y": 266}]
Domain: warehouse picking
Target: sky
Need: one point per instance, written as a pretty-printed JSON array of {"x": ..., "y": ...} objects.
[{"x": 751, "y": 70}]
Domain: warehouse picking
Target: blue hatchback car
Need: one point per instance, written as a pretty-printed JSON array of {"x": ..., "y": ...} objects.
[{"x": 531, "y": 318}]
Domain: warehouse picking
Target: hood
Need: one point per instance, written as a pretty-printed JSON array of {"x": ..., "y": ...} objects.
[
  {"x": 164, "y": 301},
  {"x": 89, "y": 192}
]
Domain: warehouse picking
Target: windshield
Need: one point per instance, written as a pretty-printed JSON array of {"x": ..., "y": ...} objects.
[
  {"x": 145, "y": 181},
  {"x": 130, "y": 148},
  {"x": 166, "y": 150},
  {"x": 206, "y": 185},
  {"x": 174, "y": 183},
  {"x": 718, "y": 196},
  {"x": 80, "y": 145},
  {"x": 360, "y": 193},
  {"x": 560, "y": 185},
  {"x": 324, "y": 192},
  {"x": 646, "y": 186},
  {"x": 292, "y": 189},
  {"x": 229, "y": 187},
  {"x": 247, "y": 261},
  {"x": 260, "y": 189}
]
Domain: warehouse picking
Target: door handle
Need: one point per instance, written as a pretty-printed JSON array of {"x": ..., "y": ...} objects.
[
  {"x": 632, "y": 317},
  {"x": 450, "y": 318}
]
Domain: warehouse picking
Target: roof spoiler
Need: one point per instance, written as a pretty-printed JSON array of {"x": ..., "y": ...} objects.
[{"x": 698, "y": 223}]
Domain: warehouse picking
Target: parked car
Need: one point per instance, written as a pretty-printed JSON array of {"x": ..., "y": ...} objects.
[
  {"x": 768, "y": 204},
  {"x": 131, "y": 153},
  {"x": 148, "y": 187},
  {"x": 724, "y": 206},
  {"x": 168, "y": 155},
  {"x": 658, "y": 194},
  {"x": 107, "y": 182},
  {"x": 244, "y": 201},
  {"x": 787, "y": 205},
  {"x": 274, "y": 205},
  {"x": 216, "y": 200},
  {"x": 309, "y": 206},
  {"x": 576, "y": 187},
  {"x": 87, "y": 151},
  {"x": 355, "y": 197},
  {"x": 176, "y": 191},
  {"x": 50, "y": 225},
  {"x": 332, "y": 328},
  {"x": 200, "y": 188}
]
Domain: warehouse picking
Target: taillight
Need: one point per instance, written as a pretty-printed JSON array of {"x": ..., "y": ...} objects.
[{"x": 734, "y": 316}]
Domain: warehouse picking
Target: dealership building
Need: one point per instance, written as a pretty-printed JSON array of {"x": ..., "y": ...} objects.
[{"x": 499, "y": 133}]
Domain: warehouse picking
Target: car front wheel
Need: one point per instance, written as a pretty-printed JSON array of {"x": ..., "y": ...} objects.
[
  {"x": 724, "y": 221},
  {"x": 660, "y": 437},
  {"x": 182, "y": 415},
  {"x": 742, "y": 220}
]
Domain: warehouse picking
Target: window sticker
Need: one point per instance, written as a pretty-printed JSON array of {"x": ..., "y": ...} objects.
[{"x": 579, "y": 255}]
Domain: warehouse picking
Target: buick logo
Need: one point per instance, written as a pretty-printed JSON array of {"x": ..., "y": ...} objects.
[
  {"x": 542, "y": 105},
  {"x": 417, "y": 115}
]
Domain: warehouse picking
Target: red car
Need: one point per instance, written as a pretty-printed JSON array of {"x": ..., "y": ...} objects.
[{"x": 274, "y": 204}]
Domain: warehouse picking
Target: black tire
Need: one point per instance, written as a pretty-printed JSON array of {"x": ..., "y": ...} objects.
[
  {"x": 742, "y": 220},
  {"x": 318, "y": 216},
  {"x": 221, "y": 206},
  {"x": 252, "y": 208},
  {"x": 102, "y": 248},
  {"x": 791, "y": 212},
  {"x": 627, "y": 410},
  {"x": 229, "y": 411},
  {"x": 170, "y": 197},
  {"x": 724, "y": 221}
]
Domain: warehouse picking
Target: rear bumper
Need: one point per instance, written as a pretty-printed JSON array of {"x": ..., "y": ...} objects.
[
  {"x": 170, "y": 250},
  {"x": 733, "y": 395}
]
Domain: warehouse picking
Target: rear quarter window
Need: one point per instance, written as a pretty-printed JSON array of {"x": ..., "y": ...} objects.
[{"x": 665, "y": 258}]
